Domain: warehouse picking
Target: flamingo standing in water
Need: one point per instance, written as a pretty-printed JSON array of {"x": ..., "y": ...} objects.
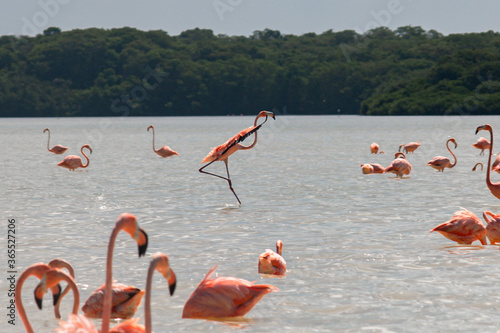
[
  {"x": 222, "y": 152},
  {"x": 369, "y": 168},
  {"x": 73, "y": 162},
  {"x": 57, "y": 149},
  {"x": 482, "y": 143},
  {"x": 271, "y": 262},
  {"x": 224, "y": 297},
  {"x": 160, "y": 263},
  {"x": 441, "y": 162},
  {"x": 102, "y": 301},
  {"x": 492, "y": 227},
  {"x": 374, "y": 148},
  {"x": 464, "y": 228},
  {"x": 409, "y": 147},
  {"x": 494, "y": 187},
  {"x": 164, "y": 151},
  {"x": 477, "y": 164},
  {"x": 400, "y": 166}
]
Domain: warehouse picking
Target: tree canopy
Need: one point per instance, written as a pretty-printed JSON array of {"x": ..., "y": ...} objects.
[{"x": 115, "y": 72}]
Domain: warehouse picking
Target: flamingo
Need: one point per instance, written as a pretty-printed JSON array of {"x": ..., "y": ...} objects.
[
  {"x": 441, "y": 162},
  {"x": 73, "y": 162},
  {"x": 57, "y": 149},
  {"x": 369, "y": 168},
  {"x": 400, "y": 166},
  {"x": 409, "y": 147},
  {"x": 222, "y": 152},
  {"x": 464, "y": 228},
  {"x": 374, "y": 147},
  {"x": 475, "y": 166},
  {"x": 51, "y": 279},
  {"x": 102, "y": 300},
  {"x": 164, "y": 151},
  {"x": 494, "y": 187},
  {"x": 60, "y": 264},
  {"x": 482, "y": 144},
  {"x": 271, "y": 262},
  {"x": 224, "y": 297},
  {"x": 492, "y": 227}
]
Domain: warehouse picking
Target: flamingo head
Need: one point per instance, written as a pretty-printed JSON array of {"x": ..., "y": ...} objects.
[
  {"x": 50, "y": 281},
  {"x": 279, "y": 246},
  {"x": 366, "y": 169},
  {"x": 46, "y": 130},
  {"x": 454, "y": 141},
  {"x": 400, "y": 146},
  {"x": 150, "y": 127},
  {"x": 61, "y": 264},
  {"x": 128, "y": 223},
  {"x": 160, "y": 262},
  {"x": 266, "y": 114},
  {"x": 88, "y": 147},
  {"x": 486, "y": 127}
]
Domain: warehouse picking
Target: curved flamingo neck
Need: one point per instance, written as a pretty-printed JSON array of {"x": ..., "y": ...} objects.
[
  {"x": 448, "y": 146},
  {"x": 153, "y": 138},
  {"x": 488, "y": 179},
  {"x": 35, "y": 270},
  {"x": 88, "y": 161},
  {"x": 255, "y": 133},
  {"x": 76, "y": 293},
  {"x": 106, "y": 307}
]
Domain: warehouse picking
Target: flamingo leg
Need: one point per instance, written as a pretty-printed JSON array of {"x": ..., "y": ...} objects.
[{"x": 228, "y": 177}]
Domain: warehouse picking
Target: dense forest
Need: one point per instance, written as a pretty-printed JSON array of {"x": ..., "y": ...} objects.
[{"x": 116, "y": 72}]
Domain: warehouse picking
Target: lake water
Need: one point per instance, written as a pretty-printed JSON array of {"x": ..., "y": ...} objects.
[{"x": 359, "y": 253}]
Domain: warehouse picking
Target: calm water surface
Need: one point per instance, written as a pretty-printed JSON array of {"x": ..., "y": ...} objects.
[{"x": 359, "y": 254}]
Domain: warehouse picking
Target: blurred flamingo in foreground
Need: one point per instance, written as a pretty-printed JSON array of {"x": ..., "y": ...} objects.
[
  {"x": 271, "y": 262},
  {"x": 159, "y": 262},
  {"x": 73, "y": 162},
  {"x": 222, "y": 152},
  {"x": 409, "y": 147},
  {"x": 102, "y": 302},
  {"x": 224, "y": 297},
  {"x": 441, "y": 162},
  {"x": 492, "y": 227},
  {"x": 369, "y": 168},
  {"x": 464, "y": 228},
  {"x": 494, "y": 187},
  {"x": 57, "y": 149},
  {"x": 164, "y": 151},
  {"x": 482, "y": 143},
  {"x": 477, "y": 164},
  {"x": 400, "y": 166}
]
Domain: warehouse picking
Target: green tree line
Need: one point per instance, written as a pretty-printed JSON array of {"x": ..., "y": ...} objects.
[{"x": 116, "y": 72}]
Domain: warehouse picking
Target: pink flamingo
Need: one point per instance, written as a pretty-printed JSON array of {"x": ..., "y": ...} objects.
[
  {"x": 61, "y": 264},
  {"x": 374, "y": 148},
  {"x": 164, "y": 151},
  {"x": 222, "y": 152},
  {"x": 464, "y": 228},
  {"x": 494, "y": 187},
  {"x": 492, "y": 227},
  {"x": 104, "y": 299},
  {"x": 400, "y": 166},
  {"x": 271, "y": 262},
  {"x": 224, "y": 297},
  {"x": 57, "y": 149},
  {"x": 441, "y": 162},
  {"x": 482, "y": 144},
  {"x": 409, "y": 147},
  {"x": 369, "y": 168},
  {"x": 73, "y": 162},
  {"x": 477, "y": 164},
  {"x": 51, "y": 279}
]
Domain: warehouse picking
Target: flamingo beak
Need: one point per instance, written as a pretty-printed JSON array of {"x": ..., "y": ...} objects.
[
  {"x": 56, "y": 293},
  {"x": 172, "y": 281},
  {"x": 142, "y": 242},
  {"x": 479, "y": 128},
  {"x": 271, "y": 114},
  {"x": 39, "y": 296}
]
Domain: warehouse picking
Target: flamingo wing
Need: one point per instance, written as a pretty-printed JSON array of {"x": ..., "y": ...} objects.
[
  {"x": 71, "y": 162},
  {"x": 272, "y": 263},
  {"x": 464, "y": 228},
  {"x": 124, "y": 304}
]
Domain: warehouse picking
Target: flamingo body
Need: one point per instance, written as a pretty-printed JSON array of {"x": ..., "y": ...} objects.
[
  {"x": 440, "y": 162},
  {"x": 464, "y": 228},
  {"x": 369, "y": 168},
  {"x": 57, "y": 149},
  {"x": 125, "y": 301},
  {"x": 410, "y": 147},
  {"x": 482, "y": 144},
  {"x": 374, "y": 147},
  {"x": 73, "y": 162},
  {"x": 400, "y": 166},
  {"x": 224, "y": 297},
  {"x": 271, "y": 262},
  {"x": 492, "y": 227}
]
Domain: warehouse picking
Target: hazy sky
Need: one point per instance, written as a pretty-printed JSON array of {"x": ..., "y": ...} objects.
[{"x": 242, "y": 17}]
